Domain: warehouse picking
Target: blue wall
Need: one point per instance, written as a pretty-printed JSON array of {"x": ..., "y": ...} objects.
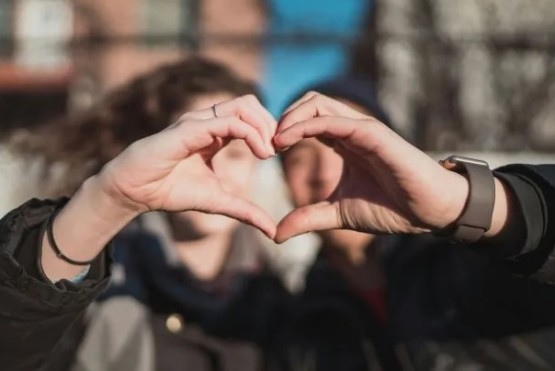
[{"x": 289, "y": 66}]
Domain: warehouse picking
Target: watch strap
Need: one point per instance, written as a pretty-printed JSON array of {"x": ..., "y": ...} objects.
[{"x": 477, "y": 214}]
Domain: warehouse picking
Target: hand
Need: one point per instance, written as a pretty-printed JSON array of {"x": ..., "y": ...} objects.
[
  {"x": 172, "y": 171},
  {"x": 387, "y": 185}
]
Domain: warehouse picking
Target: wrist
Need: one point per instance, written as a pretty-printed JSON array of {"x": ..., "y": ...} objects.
[
  {"x": 106, "y": 188},
  {"x": 458, "y": 188},
  {"x": 476, "y": 216},
  {"x": 82, "y": 229}
]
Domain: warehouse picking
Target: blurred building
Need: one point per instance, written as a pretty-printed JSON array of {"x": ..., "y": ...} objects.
[
  {"x": 57, "y": 55},
  {"x": 34, "y": 79},
  {"x": 463, "y": 75},
  {"x": 453, "y": 75}
]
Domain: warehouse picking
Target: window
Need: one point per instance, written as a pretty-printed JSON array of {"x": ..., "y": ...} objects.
[{"x": 166, "y": 22}]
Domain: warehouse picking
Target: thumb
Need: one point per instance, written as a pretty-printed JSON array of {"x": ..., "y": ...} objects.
[
  {"x": 315, "y": 217},
  {"x": 246, "y": 212}
]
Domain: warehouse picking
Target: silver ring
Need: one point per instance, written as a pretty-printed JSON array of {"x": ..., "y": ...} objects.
[{"x": 214, "y": 110}]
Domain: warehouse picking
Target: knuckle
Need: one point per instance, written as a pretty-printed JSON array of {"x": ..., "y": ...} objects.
[
  {"x": 326, "y": 119},
  {"x": 187, "y": 116},
  {"x": 320, "y": 99},
  {"x": 183, "y": 117},
  {"x": 250, "y": 98},
  {"x": 312, "y": 93},
  {"x": 136, "y": 147}
]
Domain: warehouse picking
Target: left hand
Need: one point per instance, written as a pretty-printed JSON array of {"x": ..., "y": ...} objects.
[{"x": 172, "y": 171}]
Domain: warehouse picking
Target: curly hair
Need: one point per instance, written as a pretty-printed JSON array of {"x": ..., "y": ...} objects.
[{"x": 84, "y": 142}]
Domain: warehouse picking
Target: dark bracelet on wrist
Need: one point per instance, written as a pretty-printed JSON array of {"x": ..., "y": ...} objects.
[{"x": 54, "y": 245}]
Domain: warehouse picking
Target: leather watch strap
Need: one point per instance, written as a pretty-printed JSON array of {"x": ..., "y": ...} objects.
[{"x": 477, "y": 215}]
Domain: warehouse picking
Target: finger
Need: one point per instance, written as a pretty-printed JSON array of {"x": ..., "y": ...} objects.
[
  {"x": 207, "y": 153},
  {"x": 305, "y": 108},
  {"x": 270, "y": 119},
  {"x": 248, "y": 108},
  {"x": 315, "y": 106},
  {"x": 298, "y": 102},
  {"x": 197, "y": 135},
  {"x": 270, "y": 122},
  {"x": 246, "y": 212},
  {"x": 316, "y": 217},
  {"x": 332, "y": 127},
  {"x": 235, "y": 128}
]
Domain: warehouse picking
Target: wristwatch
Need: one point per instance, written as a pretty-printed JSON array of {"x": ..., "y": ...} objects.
[{"x": 476, "y": 217}]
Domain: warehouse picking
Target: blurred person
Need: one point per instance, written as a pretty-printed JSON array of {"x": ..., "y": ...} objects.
[
  {"x": 340, "y": 314},
  {"x": 400, "y": 301},
  {"x": 201, "y": 287},
  {"x": 44, "y": 244}
]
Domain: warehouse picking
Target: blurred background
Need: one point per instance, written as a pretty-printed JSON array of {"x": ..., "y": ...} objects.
[
  {"x": 472, "y": 75},
  {"x": 464, "y": 76}
]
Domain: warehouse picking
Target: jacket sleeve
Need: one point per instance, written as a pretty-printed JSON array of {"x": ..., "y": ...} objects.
[
  {"x": 37, "y": 317},
  {"x": 534, "y": 189}
]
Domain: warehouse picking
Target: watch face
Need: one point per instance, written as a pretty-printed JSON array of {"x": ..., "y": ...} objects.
[{"x": 455, "y": 159}]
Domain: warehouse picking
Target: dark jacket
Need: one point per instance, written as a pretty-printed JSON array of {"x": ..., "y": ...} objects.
[
  {"x": 447, "y": 306},
  {"x": 40, "y": 322},
  {"x": 334, "y": 328},
  {"x": 443, "y": 303},
  {"x": 227, "y": 323}
]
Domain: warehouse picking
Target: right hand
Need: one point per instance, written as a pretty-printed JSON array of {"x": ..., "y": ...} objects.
[
  {"x": 387, "y": 185},
  {"x": 171, "y": 170}
]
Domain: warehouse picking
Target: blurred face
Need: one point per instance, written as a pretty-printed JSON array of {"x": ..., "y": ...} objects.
[
  {"x": 312, "y": 171},
  {"x": 234, "y": 165}
]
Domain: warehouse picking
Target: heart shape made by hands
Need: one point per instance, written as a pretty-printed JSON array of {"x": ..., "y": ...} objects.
[{"x": 379, "y": 191}]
